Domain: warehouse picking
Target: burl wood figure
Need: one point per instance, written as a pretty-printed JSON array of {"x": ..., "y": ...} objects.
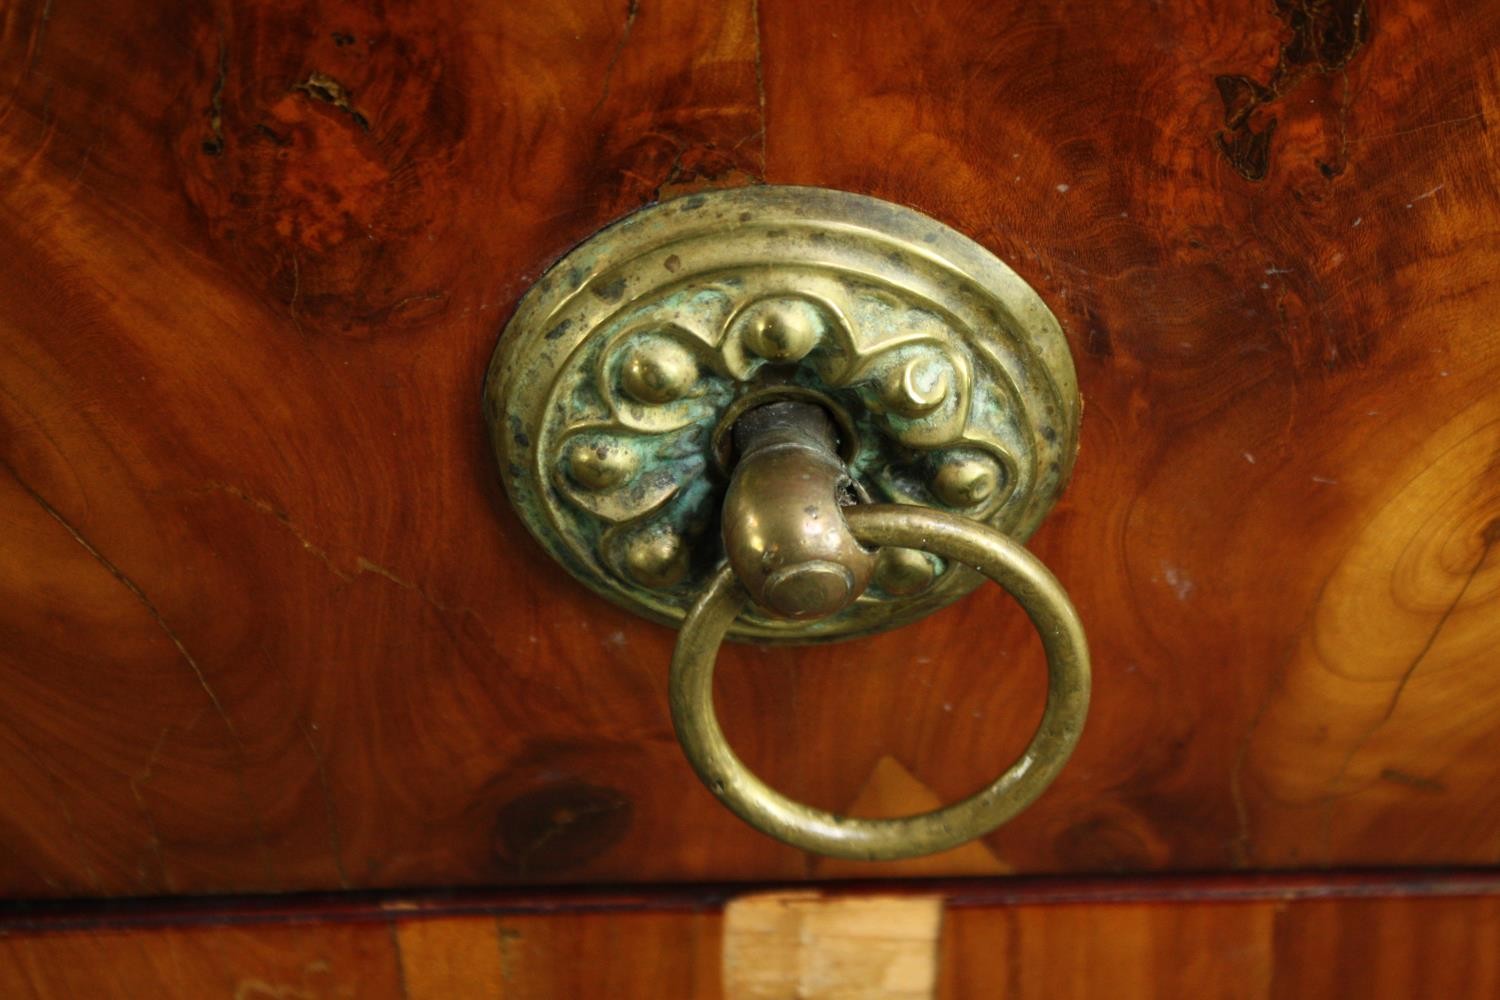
[{"x": 267, "y": 622}]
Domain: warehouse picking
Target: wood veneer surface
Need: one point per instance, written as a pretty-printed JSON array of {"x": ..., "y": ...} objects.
[{"x": 267, "y": 622}]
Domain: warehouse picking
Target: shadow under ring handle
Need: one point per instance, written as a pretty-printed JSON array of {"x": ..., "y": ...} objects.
[{"x": 961, "y": 540}]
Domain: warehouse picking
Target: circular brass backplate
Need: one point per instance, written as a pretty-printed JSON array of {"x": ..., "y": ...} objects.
[{"x": 611, "y": 388}]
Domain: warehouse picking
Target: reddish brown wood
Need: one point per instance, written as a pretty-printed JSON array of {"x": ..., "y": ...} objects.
[
  {"x": 1387, "y": 948},
  {"x": 267, "y": 623},
  {"x": 642, "y": 954},
  {"x": 1383, "y": 946},
  {"x": 637, "y": 957},
  {"x": 1124, "y": 950},
  {"x": 1379, "y": 948},
  {"x": 327, "y": 960}
]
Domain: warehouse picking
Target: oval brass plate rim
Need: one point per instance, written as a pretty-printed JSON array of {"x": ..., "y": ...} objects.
[
  {"x": 602, "y": 276},
  {"x": 1056, "y": 736}
]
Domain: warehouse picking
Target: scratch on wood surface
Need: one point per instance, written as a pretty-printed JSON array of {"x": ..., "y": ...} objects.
[
  {"x": 238, "y": 745},
  {"x": 1336, "y": 166},
  {"x": 1414, "y": 129},
  {"x": 270, "y": 510},
  {"x": 760, "y": 84},
  {"x": 1429, "y": 193},
  {"x": 385, "y": 313},
  {"x": 34, "y": 47},
  {"x": 83, "y": 162},
  {"x": 361, "y": 564},
  {"x": 1242, "y": 847},
  {"x": 614, "y": 57},
  {"x": 154, "y": 845},
  {"x": 672, "y": 175},
  {"x": 335, "y": 839},
  {"x": 291, "y": 305},
  {"x": 1333, "y": 791}
]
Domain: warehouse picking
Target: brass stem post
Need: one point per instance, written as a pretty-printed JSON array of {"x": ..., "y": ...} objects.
[{"x": 784, "y": 527}]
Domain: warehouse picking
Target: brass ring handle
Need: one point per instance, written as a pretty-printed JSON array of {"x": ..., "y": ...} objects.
[{"x": 963, "y": 541}]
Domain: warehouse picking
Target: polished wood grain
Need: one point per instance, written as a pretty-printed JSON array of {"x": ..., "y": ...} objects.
[
  {"x": 267, "y": 623},
  {"x": 1397, "y": 942},
  {"x": 255, "y": 963},
  {"x": 1128, "y": 951},
  {"x": 641, "y": 956},
  {"x": 1382, "y": 949}
]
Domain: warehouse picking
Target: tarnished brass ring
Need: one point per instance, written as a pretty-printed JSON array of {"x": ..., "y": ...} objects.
[{"x": 956, "y": 538}]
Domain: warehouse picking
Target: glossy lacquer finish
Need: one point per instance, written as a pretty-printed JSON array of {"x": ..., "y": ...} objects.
[
  {"x": 1386, "y": 938},
  {"x": 268, "y": 623}
]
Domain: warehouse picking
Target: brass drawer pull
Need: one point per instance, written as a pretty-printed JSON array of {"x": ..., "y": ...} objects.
[
  {"x": 791, "y": 415},
  {"x": 804, "y": 546}
]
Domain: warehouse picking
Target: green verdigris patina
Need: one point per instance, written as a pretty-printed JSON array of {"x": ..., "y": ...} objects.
[{"x": 613, "y": 388}]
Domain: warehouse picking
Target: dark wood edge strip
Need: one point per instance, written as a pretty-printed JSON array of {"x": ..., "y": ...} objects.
[{"x": 94, "y": 914}]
